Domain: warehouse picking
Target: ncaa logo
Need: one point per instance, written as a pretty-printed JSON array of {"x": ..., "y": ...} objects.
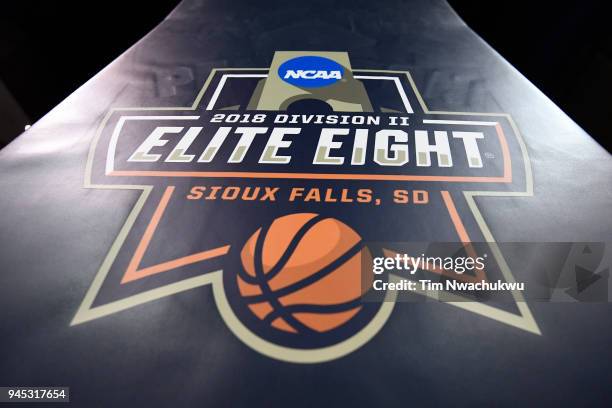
[{"x": 311, "y": 71}]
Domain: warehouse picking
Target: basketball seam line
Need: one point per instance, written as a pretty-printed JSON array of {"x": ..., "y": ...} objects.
[
  {"x": 341, "y": 260},
  {"x": 286, "y": 254},
  {"x": 266, "y": 290},
  {"x": 321, "y": 309},
  {"x": 293, "y": 245}
]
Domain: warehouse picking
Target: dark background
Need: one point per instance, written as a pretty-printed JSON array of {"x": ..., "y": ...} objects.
[{"x": 49, "y": 49}]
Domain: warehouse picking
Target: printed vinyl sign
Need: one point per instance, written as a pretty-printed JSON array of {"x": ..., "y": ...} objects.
[{"x": 271, "y": 185}]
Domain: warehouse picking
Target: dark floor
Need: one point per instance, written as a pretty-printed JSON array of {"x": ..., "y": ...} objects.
[{"x": 564, "y": 48}]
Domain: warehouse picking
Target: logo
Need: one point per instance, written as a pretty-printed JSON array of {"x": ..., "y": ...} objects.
[
  {"x": 311, "y": 71},
  {"x": 282, "y": 266},
  {"x": 267, "y": 196}
]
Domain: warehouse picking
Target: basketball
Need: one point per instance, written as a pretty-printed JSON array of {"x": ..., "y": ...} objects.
[{"x": 302, "y": 273}]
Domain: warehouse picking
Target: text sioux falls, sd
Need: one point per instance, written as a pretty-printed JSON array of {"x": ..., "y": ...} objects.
[{"x": 305, "y": 194}]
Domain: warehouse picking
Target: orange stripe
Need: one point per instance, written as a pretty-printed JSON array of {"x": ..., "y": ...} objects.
[
  {"x": 461, "y": 231},
  {"x": 133, "y": 273},
  {"x": 450, "y": 205},
  {"x": 310, "y": 176},
  {"x": 166, "y": 266}
]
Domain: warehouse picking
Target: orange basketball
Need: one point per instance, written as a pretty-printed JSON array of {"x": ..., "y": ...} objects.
[{"x": 303, "y": 273}]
